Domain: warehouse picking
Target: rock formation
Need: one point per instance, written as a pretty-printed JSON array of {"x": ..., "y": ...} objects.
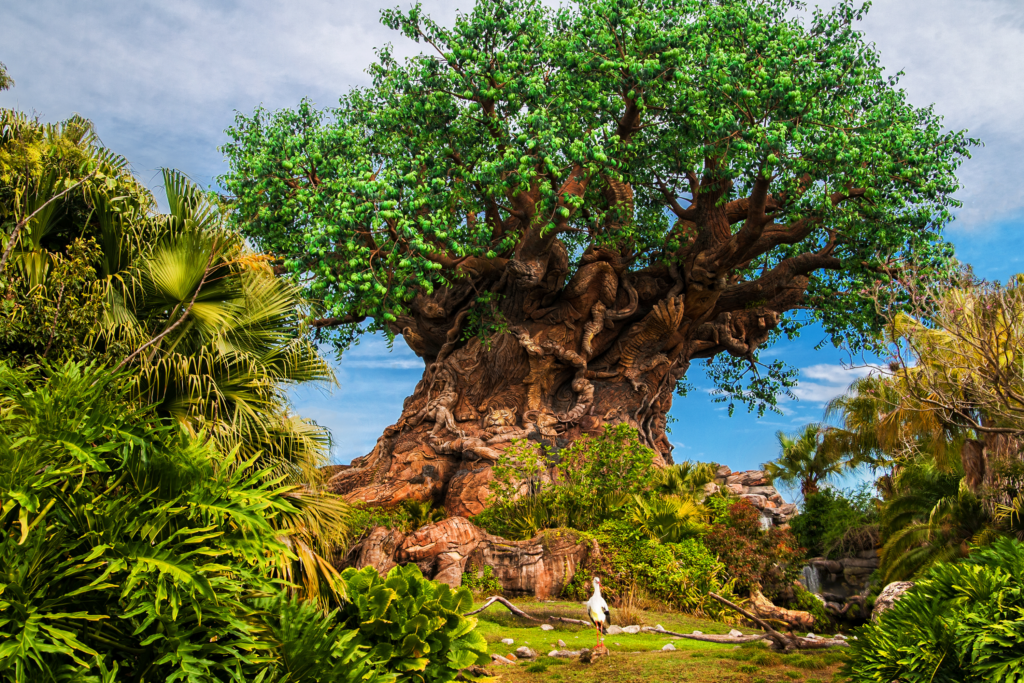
[
  {"x": 755, "y": 487},
  {"x": 540, "y": 566}
]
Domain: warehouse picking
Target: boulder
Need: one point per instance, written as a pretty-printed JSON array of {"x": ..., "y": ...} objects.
[
  {"x": 547, "y": 627},
  {"x": 735, "y": 634},
  {"x": 669, "y": 648},
  {"x": 498, "y": 660},
  {"x": 631, "y": 630},
  {"x": 614, "y": 630},
  {"x": 748, "y": 478},
  {"x": 525, "y": 653},
  {"x": 760, "y": 502},
  {"x": 722, "y": 472},
  {"x": 507, "y": 641},
  {"x": 735, "y": 489},
  {"x": 889, "y": 596},
  {"x": 710, "y": 488}
]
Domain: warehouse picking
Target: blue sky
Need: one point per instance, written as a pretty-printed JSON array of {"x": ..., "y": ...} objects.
[{"x": 162, "y": 81}]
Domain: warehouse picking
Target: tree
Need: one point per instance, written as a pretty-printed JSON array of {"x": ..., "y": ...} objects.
[
  {"x": 957, "y": 354},
  {"x": 801, "y": 459},
  {"x": 560, "y": 210}
]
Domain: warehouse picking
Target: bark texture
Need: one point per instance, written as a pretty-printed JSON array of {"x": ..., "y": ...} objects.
[{"x": 552, "y": 360}]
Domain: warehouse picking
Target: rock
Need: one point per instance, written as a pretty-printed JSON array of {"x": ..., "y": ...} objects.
[
  {"x": 710, "y": 488},
  {"x": 855, "y": 562},
  {"x": 766, "y": 491},
  {"x": 811, "y": 636},
  {"x": 561, "y": 643},
  {"x": 735, "y": 489},
  {"x": 525, "y": 653},
  {"x": 498, "y": 660},
  {"x": 669, "y": 648},
  {"x": 659, "y": 627},
  {"x": 631, "y": 630},
  {"x": 618, "y": 644},
  {"x": 564, "y": 654},
  {"x": 512, "y": 657},
  {"x": 614, "y": 630},
  {"x": 697, "y": 633},
  {"x": 547, "y": 627},
  {"x": 590, "y": 656},
  {"x": 540, "y": 567},
  {"x": 507, "y": 641},
  {"x": 889, "y": 596},
  {"x": 839, "y": 636},
  {"x": 723, "y": 472},
  {"x": 735, "y": 634},
  {"x": 757, "y": 501},
  {"x": 748, "y": 478}
]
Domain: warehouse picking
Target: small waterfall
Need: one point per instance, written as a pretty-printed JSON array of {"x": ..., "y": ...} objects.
[{"x": 811, "y": 579}]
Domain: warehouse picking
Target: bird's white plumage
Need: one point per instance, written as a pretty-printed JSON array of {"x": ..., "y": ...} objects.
[{"x": 597, "y": 608}]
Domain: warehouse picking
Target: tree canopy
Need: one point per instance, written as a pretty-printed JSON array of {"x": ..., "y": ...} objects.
[{"x": 742, "y": 155}]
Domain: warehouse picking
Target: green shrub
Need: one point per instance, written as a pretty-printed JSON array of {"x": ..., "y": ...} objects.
[
  {"x": 129, "y": 550},
  {"x": 315, "y": 648},
  {"x": 833, "y": 522},
  {"x": 596, "y": 477},
  {"x": 679, "y": 575},
  {"x": 413, "y": 626},
  {"x": 806, "y": 601},
  {"x": 482, "y": 582},
  {"x": 963, "y": 621}
]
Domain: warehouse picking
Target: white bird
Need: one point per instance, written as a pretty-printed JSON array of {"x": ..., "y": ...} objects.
[{"x": 597, "y": 610}]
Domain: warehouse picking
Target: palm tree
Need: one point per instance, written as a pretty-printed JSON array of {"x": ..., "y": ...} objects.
[
  {"x": 802, "y": 460},
  {"x": 931, "y": 517},
  {"x": 214, "y": 338}
]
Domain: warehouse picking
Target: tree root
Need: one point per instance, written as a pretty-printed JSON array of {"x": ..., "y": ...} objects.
[{"x": 780, "y": 641}]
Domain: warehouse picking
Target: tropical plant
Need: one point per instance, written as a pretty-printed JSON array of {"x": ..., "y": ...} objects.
[
  {"x": 685, "y": 479},
  {"x": 669, "y": 519},
  {"x": 801, "y": 460},
  {"x": 423, "y": 512},
  {"x": 315, "y": 648},
  {"x": 931, "y": 517},
  {"x": 413, "y": 626},
  {"x": 126, "y": 546},
  {"x": 960, "y": 623},
  {"x": 880, "y": 427}
]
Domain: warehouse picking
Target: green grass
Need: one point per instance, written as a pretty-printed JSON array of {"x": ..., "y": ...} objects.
[{"x": 639, "y": 659}]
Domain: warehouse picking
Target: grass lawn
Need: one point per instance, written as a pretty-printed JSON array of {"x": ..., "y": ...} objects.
[{"x": 639, "y": 658}]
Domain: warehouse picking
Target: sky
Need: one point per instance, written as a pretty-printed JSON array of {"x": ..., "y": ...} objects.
[{"x": 163, "y": 80}]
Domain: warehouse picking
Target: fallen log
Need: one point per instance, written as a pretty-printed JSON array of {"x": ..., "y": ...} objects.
[
  {"x": 520, "y": 613},
  {"x": 780, "y": 641}
]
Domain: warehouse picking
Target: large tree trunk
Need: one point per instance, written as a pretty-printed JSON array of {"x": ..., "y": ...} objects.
[{"x": 562, "y": 361}]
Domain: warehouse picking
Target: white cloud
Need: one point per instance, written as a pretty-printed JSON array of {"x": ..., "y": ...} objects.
[{"x": 827, "y": 381}]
